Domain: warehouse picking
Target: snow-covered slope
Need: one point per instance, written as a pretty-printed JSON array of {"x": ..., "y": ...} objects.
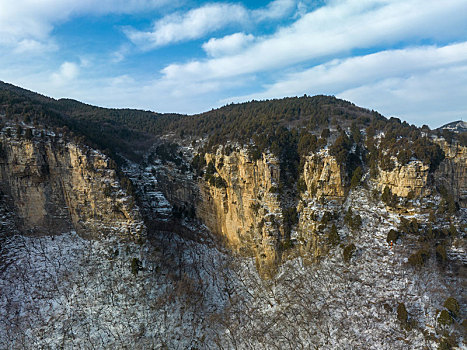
[
  {"x": 457, "y": 126},
  {"x": 174, "y": 293}
]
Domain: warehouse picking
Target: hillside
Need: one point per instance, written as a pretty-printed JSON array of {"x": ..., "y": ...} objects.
[
  {"x": 458, "y": 126},
  {"x": 303, "y": 222}
]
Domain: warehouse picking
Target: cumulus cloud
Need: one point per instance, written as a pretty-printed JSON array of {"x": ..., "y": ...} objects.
[
  {"x": 28, "y": 46},
  {"x": 30, "y": 22},
  {"x": 227, "y": 45},
  {"x": 434, "y": 97},
  {"x": 313, "y": 55},
  {"x": 191, "y": 25},
  {"x": 274, "y": 10},
  {"x": 67, "y": 72},
  {"x": 334, "y": 29},
  {"x": 206, "y": 19},
  {"x": 422, "y": 84},
  {"x": 342, "y": 74}
]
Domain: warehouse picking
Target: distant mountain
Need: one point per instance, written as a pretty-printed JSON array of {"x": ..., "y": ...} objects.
[{"x": 457, "y": 126}]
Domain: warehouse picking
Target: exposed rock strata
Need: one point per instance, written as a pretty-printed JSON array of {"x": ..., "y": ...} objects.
[
  {"x": 323, "y": 176},
  {"x": 452, "y": 172},
  {"x": 412, "y": 179},
  {"x": 247, "y": 212},
  {"x": 57, "y": 186}
]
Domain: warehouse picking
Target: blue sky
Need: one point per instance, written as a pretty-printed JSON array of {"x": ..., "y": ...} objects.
[{"x": 404, "y": 58}]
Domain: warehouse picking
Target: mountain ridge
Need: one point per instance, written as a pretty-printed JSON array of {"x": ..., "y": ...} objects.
[{"x": 227, "y": 222}]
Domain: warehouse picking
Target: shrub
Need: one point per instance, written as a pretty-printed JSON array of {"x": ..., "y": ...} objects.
[
  {"x": 452, "y": 305},
  {"x": 356, "y": 177},
  {"x": 217, "y": 181},
  {"x": 452, "y": 230},
  {"x": 419, "y": 257},
  {"x": 333, "y": 236},
  {"x": 445, "y": 319},
  {"x": 388, "y": 198},
  {"x": 255, "y": 207},
  {"x": 127, "y": 185},
  {"x": 441, "y": 254},
  {"x": 349, "y": 250},
  {"x": 301, "y": 185},
  {"x": 402, "y": 314},
  {"x": 464, "y": 325},
  {"x": 220, "y": 164},
  {"x": 392, "y": 236},
  {"x": 447, "y": 343},
  {"x": 135, "y": 266},
  {"x": 290, "y": 216},
  {"x": 107, "y": 190},
  {"x": 352, "y": 221},
  {"x": 211, "y": 169},
  {"x": 28, "y": 134},
  {"x": 286, "y": 244},
  {"x": 274, "y": 189},
  {"x": 387, "y": 164},
  {"x": 198, "y": 163},
  {"x": 409, "y": 227}
]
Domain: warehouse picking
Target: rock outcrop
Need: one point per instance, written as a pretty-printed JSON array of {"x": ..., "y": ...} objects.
[
  {"x": 323, "y": 176},
  {"x": 246, "y": 209},
  {"x": 56, "y": 186},
  {"x": 407, "y": 180},
  {"x": 452, "y": 172},
  {"x": 415, "y": 179}
]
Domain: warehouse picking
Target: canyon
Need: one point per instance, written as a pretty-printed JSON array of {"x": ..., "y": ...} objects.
[{"x": 201, "y": 238}]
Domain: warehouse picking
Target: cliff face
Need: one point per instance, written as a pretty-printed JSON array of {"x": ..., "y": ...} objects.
[
  {"x": 242, "y": 200},
  {"x": 415, "y": 178},
  {"x": 246, "y": 210},
  {"x": 56, "y": 186},
  {"x": 404, "y": 180},
  {"x": 452, "y": 172},
  {"x": 323, "y": 176}
]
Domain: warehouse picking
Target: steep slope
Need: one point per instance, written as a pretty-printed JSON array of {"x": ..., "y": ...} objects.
[
  {"x": 56, "y": 186},
  {"x": 307, "y": 211}
]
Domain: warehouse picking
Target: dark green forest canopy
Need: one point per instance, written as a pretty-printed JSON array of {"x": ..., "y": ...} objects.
[{"x": 289, "y": 127}]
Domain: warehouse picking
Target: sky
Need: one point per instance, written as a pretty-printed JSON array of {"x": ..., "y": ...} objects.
[{"x": 403, "y": 58}]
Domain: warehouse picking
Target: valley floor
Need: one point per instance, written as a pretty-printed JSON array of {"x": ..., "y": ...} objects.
[{"x": 174, "y": 293}]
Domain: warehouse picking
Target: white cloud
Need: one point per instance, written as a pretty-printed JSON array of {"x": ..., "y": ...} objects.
[
  {"x": 68, "y": 71},
  {"x": 227, "y": 45},
  {"x": 335, "y": 29},
  {"x": 206, "y": 19},
  {"x": 191, "y": 25},
  {"x": 28, "y": 46},
  {"x": 27, "y": 24},
  {"x": 275, "y": 9},
  {"x": 422, "y": 85},
  {"x": 296, "y": 59},
  {"x": 434, "y": 97},
  {"x": 342, "y": 74}
]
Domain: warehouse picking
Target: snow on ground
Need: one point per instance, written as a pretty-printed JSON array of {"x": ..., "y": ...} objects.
[{"x": 67, "y": 292}]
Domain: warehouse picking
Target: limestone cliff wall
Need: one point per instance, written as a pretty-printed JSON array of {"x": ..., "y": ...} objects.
[
  {"x": 56, "y": 186},
  {"x": 323, "y": 176},
  {"x": 412, "y": 178},
  {"x": 415, "y": 177},
  {"x": 452, "y": 172},
  {"x": 246, "y": 206},
  {"x": 247, "y": 211},
  {"x": 324, "y": 179}
]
